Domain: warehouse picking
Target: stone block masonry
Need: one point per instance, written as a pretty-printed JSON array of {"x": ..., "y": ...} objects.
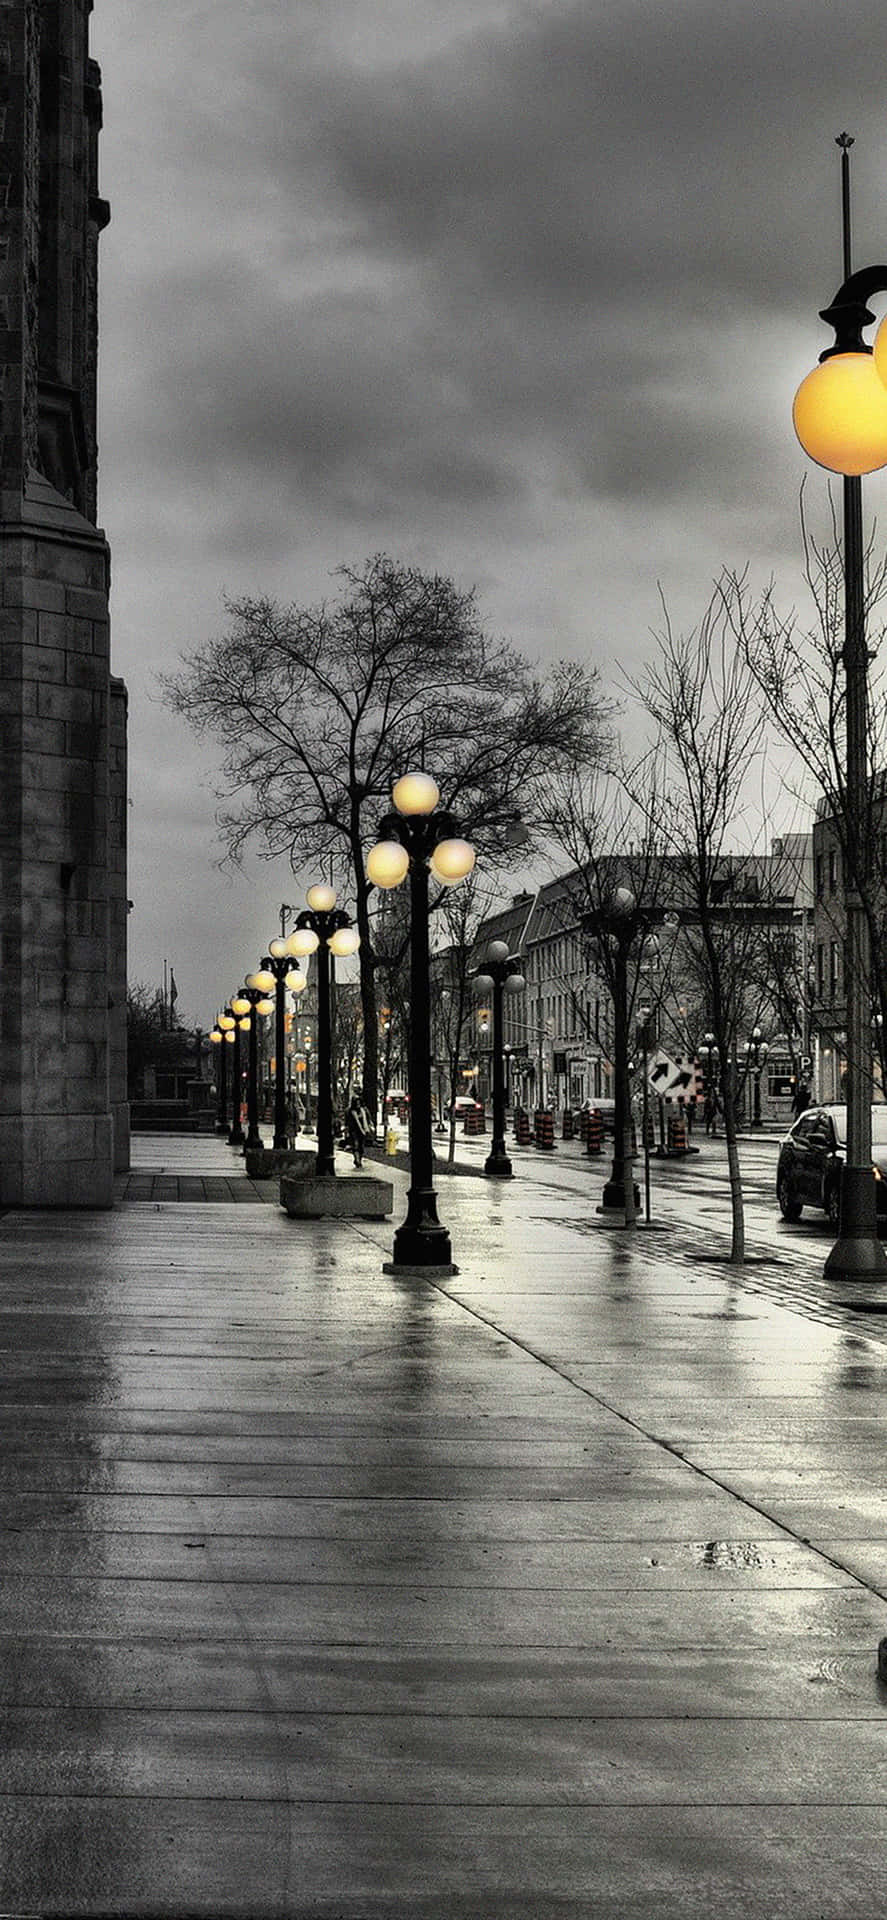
[{"x": 64, "y": 1122}]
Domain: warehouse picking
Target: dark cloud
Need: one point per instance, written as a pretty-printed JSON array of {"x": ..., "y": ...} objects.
[{"x": 516, "y": 288}]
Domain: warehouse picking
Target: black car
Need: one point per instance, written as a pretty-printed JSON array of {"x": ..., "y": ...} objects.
[{"x": 808, "y": 1173}]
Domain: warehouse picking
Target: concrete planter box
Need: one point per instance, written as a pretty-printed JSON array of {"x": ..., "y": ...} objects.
[{"x": 358, "y": 1197}]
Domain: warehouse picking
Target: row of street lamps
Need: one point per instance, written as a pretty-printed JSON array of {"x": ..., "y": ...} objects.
[{"x": 418, "y": 838}]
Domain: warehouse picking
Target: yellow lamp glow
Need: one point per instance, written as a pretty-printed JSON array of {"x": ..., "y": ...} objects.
[
  {"x": 880, "y": 355},
  {"x": 215, "y": 1036},
  {"x": 387, "y": 863},
  {"x": 302, "y": 942},
  {"x": 240, "y": 1006},
  {"x": 345, "y": 940},
  {"x": 264, "y": 1006},
  {"x": 840, "y": 414},
  {"x": 244, "y": 1025},
  {"x": 225, "y": 1022},
  {"x": 295, "y": 980},
  {"x": 452, "y": 861},
  {"x": 229, "y": 1036},
  {"x": 415, "y": 793},
  {"x": 263, "y": 980},
  {"x": 277, "y": 947},
  {"x": 321, "y": 899}
]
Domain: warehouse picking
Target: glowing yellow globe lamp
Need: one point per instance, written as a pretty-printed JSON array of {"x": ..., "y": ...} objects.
[
  {"x": 343, "y": 941},
  {"x": 215, "y": 1037},
  {"x": 452, "y": 861},
  {"x": 415, "y": 793},
  {"x": 263, "y": 981},
  {"x": 296, "y": 980},
  {"x": 320, "y": 898},
  {"x": 245, "y": 1025},
  {"x": 225, "y": 1022},
  {"x": 229, "y": 1034},
  {"x": 840, "y": 413},
  {"x": 387, "y": 863},
  {"x": 240, "y": 1006},
  {"x": 302, "y": 942}
]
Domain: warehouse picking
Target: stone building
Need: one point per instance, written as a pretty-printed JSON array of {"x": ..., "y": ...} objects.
[
  {"x": 559, "y": 1034},
  {"x": 63, "y": 1114}
]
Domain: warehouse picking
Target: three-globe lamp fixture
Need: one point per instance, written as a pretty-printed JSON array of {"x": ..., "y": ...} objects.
[
  {"x": 324, "y": 929},
  {"x": 500, "y": 974},
  {"x": 277, "y": 965},
  {"x": 417, "y": 839}
]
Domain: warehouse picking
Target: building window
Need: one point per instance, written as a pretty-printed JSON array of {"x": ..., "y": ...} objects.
[
  {"x": 820, "y": 972},
  {"x": 834, "y": 969},
  {"x": 820, "y": 875},
  {"x": 832, "y": 870}
]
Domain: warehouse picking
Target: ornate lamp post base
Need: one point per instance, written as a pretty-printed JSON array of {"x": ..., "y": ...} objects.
[
  {"x": 498, "y": 1165},
  {"x": 857, "y": 1253},
  {"x": 421, "y": 1241},
  {"x": 614, "y": 1195}
]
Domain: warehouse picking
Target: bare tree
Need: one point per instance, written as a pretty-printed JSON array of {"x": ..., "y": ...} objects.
[
  {"x": 801, "y": 673},
  {"x": 703, "y": 699},
  {"x": 318, "y": 709}
]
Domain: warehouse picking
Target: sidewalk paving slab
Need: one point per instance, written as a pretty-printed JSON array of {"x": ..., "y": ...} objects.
[{"x": 553, "y": 1588}]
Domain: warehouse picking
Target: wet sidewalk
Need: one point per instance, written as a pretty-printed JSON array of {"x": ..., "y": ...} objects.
[{"x": 551, "y": 1590}]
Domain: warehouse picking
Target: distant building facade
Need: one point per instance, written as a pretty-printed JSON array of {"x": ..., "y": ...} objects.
[
  {"x": 559, "y": 1033},
  {"x": 63, "y": 907}
]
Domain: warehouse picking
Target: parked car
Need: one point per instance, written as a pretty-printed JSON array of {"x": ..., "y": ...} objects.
[{"x": 808, "y": 1172}]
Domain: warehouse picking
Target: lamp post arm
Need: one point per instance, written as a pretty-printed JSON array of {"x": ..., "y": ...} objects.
[{"x": 849, "y": 313}]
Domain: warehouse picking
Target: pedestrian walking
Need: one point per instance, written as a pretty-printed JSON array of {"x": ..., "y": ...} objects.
[
  {"x": 801, "y": 1100},
  {"x": 358, "y": 1126}
]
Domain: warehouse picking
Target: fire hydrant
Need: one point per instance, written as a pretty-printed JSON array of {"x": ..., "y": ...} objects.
[{"x": 392, "y": 1138}]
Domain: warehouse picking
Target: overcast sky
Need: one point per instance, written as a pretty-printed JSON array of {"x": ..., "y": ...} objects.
[{"x": 519, "y": 290}]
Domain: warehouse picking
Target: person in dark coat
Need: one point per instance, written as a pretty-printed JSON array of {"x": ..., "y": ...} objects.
[{"x": 358, "y": 1127}]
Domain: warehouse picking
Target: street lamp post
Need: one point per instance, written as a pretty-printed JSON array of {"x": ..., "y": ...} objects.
[
  {"x": 238, "y": 1012},
  {"x": 712, "y": 1061},
  {"x": 278, "y": 964},
  {"x": 324, "y": 929},
  {"x": 619, "y": 922},
  {"x": 255, "y": 993},
  {"x": 417, "y": 837},
  {"x": 840, "y": 417},
  {"x": 501, "y": 974},
  {"x": 224, "y": 1027},
  {"x": 756, "y": 1051}
]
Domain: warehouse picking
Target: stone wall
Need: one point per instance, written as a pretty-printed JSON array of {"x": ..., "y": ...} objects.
[{"x": 63, "y": 1118}]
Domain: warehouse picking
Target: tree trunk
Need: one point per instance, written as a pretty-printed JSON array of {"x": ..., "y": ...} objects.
[{"x": 737, "y": 1209}]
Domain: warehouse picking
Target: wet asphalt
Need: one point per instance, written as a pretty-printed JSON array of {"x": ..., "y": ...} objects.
[{"x": 551, "y": 1588}]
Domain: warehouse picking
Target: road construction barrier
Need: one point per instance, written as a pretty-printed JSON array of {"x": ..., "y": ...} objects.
[
  {"x": 522, "y": 1126},
  {"x": 595, "y": 1140},
  {"x": 677, "y": 1133},
  {"x": 474, "y": 1121},
  {"x": 584, "y": 1118},
  {"x": 544, "y": 1129},
  {"x": 568, "y": 1125}
]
